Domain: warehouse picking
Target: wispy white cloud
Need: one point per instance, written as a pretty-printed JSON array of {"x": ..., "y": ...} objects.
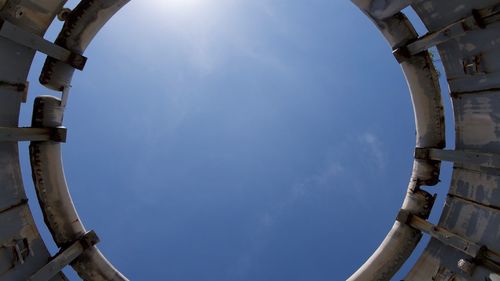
[
  {"x": 329, "y": 174},
  {"x": 324, "y": 178},
  {"x": 373, "y": 147},
  {"x": 353, "y": 160}
]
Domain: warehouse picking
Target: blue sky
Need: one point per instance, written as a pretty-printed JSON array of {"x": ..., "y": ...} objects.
[{"x": 237, "y": 140}]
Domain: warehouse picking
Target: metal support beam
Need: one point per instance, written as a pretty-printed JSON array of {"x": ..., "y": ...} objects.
[
  {"x": 487, "y": 160},
  {"x": 33, "y": 134},
  {"x": 478, "y": 253},
  {"x": 35, "y": 42},
  {"x": 65, "y": 257},
  {"x": 470, "y": 248},
  {"x": 479, "y": 19}
]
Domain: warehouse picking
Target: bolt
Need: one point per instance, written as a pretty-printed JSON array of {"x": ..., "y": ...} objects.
[
  {"x": 19, "y": 12},
  {"x": 466, "y": 266},
  {"x": 63, "y": 14}
]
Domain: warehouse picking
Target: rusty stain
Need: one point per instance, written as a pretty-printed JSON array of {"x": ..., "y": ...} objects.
[{"x": 19, "y": 87}]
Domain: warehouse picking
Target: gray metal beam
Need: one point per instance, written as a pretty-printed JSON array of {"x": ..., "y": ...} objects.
[
  {"x": 35, "y": 42},
  {"x": 472, "y": 249},
  {"x": 479, "y": 253},
  {"x": 487, "y": 160},
  {"x": 477, "y": 20},
  {"x": 432, "y": 39},
  {"x": 65, "y": 257},
  {"x": 33, "y": 134}
]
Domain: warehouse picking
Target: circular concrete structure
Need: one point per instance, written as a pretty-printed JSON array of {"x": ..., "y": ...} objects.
[{"x": 465, "y": 245}]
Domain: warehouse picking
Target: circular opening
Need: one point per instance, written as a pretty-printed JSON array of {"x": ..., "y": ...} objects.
[{"x": 245, "y": 141}]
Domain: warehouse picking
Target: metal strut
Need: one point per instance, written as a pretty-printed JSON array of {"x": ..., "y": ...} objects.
[
  {"x": 486, "y": 160},
  {"x": 479, "y": 19},
  {"x": 18, "y": 35},
  {"x": 478, "y": 253},
  {"x": 57, "y": 134},
  {"x": 65, "y": 257}
]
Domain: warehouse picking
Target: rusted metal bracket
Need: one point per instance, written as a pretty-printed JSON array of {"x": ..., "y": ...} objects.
[
  {"x": 486, "y": 160},
  {"x": 57, "y": 134},
  {"x": 35, "y": 42},
  {"x": 479, "y": 19},
  {"x": 65, "y": 257},
  {"x": 478, "y": 253}
]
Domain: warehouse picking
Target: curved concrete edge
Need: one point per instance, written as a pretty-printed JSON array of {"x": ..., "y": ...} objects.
[
  {"x": 81, "y": 26},
  {"x": 55, "y": 200},
  {"x": 423, "y": 83},
  {"x": 398, "y": 244},
  {"x": 381, "y": 9},
  {"x": 422, "y": 79}
]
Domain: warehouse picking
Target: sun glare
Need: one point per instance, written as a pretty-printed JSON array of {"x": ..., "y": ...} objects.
[{"x": 182, "y": 5}]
